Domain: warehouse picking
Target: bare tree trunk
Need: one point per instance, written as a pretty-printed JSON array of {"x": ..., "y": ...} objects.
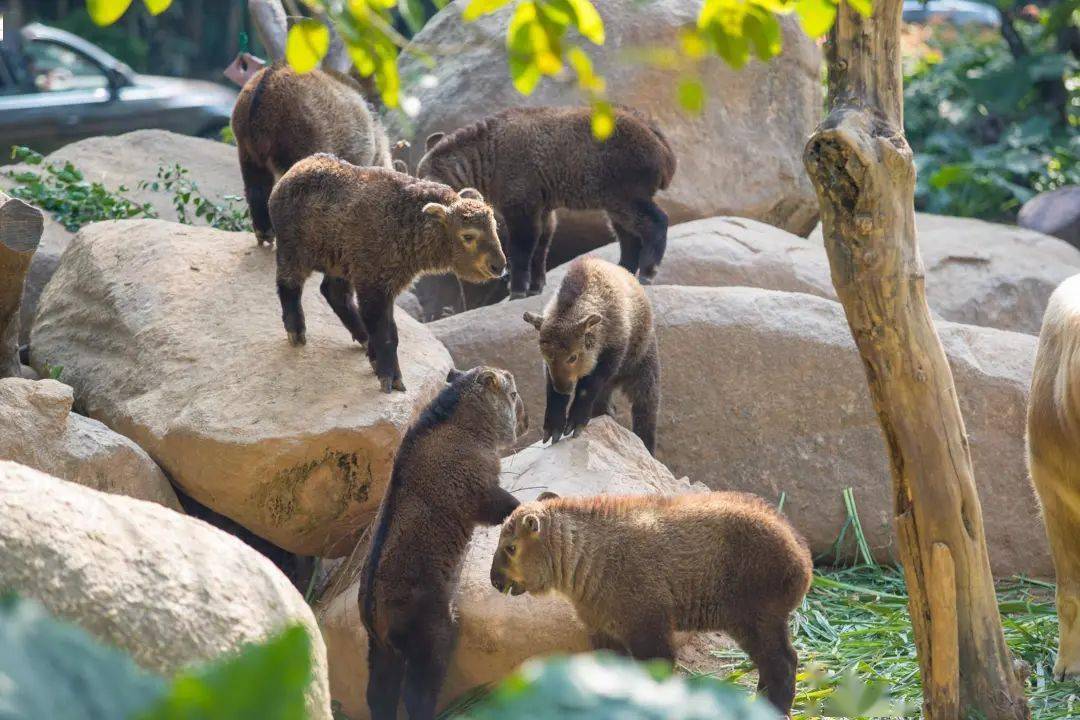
[
  {"x": 20, "y": 232},
  {"x": 861, "y": 167}
]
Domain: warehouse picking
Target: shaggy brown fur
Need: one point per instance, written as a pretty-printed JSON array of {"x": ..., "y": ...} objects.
[
  {"x": 372, "y": 231},
  {"x": 1053, "y": 437},
  {"x": 638, "y": 569},
  {"x": 281, "y": 117},
  {"x": 597, "y": 335},
  {"x": 445, "y": 482},
  {"x": 530, "y": 161}
]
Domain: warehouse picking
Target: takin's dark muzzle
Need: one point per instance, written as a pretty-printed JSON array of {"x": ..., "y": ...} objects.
[{"x": 500, "y": 582}]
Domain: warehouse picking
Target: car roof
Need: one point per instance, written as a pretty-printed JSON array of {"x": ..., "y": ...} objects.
[{"x": 37, "y": 31}]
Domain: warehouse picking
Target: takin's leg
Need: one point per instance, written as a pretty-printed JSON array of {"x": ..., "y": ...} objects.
[
  {"x": 1061, "y": 511},
  {"x": 339, "y": 294},
  {"x": 642, "y": 229},
  {"x": 554, "y": 412},
  {"x": 258, "y": 182},
  {"x": 377, "y": 311},
  {"x": 428, "y": 648},
  {"x": 524, "y": 227},
  {"x": 644, "y": 392},
  {"x": 596, "y": 385},
  {"x": 386, "y": 669},
  {"x": 599, "y": 640},
  {"x": 538, "y": 265},
  {"x": 649, "y": 635},
  {"x": 768, "y": 643}
]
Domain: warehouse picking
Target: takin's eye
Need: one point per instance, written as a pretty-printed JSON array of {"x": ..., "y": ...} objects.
[
  {"x": 511, "y": 549},
  {"x": 572, "y": 359},
  {"x": 468, "y": 238}
]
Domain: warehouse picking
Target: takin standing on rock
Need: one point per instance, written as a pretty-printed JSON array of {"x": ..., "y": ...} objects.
[
  {"x": 597, "y": 335},
  {"x": 372, "y": 231},
  {"x": 529, "y": 162},
  {"x": 282, "y": 117},
  {"x": 445, "y": 482},
  {"x": 639, "y": 568},
  {"x": 1053, "y": 443}
]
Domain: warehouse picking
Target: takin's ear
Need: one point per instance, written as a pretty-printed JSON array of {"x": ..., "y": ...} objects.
[
  {"x": 453, "y": 375},
  {"x": 591, "y": 320},
  {"x": 531, "y": 523},
  {"x": 488, "y": 379},
  {"x": 436, "y": 210},
  {"x": 547, "y": 495},
  {"x": 401, "y": 167},
  {"x": 433, "y": 140},
  {"x": 533, "y": 319},
  {"x": 470, "y": 194}
]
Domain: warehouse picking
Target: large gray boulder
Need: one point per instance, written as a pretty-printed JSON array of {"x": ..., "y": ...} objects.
[
  {"x": 168, "y": 589},
  {"x": 1055, "y": 213},
  {"x": 41, "y": 431},
  {"x": 171, "y": 335},
  {"x": 764, "y": 391},
  {"x": 497, "y": 633}
]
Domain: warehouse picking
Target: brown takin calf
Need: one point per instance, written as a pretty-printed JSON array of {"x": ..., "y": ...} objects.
[
  {"x": 638, "y": 569},
  {"x": 372, "y": 231},
  {"x": 445, "y": 482},
  {"x": 597, "y": 335},
  {"x": 1053, "y": 440},
  {"x": 529, "y": 162},
  {"x": 282, "y": 116}
]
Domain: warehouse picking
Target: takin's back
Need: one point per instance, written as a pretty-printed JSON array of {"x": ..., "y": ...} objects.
[{"x": 1054, "y": 402}]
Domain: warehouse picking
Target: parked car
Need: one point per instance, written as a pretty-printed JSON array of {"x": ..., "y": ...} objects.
[
  {"x": 56, "y": 87},
  {"x": 956, "y": 12}
]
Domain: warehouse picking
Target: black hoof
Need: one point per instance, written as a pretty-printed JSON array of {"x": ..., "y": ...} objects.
[
  {"x": 264, "y": 239},
  {"x": 517, "y": 295},
  {"x": 297, "y": 338}
]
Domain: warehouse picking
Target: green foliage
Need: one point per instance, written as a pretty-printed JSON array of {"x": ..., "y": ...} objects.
[
  {"x": 106, "y": 12},
  {"x": 307, "y": 44},
  {"x": 602, "y": 686},
  {"x": 985, "y": 141},
  {"x": 231, "y": 214},
  {"x": 67, "y": 196},
  {"x": 54, "y": 670}
]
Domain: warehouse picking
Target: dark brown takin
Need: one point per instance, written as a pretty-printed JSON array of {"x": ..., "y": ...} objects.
[
  {"x": 282, "y": 116},
  {"x": 445, "y": 482},
  {"x": 639, "y": 568},
  {"x": 371, "y": 231},
  {"x": 529, "y": 162},
  {"x": 597, "y": 335}
]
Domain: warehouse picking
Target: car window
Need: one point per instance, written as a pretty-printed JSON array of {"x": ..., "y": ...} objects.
[{"x": 58, "y": 68}]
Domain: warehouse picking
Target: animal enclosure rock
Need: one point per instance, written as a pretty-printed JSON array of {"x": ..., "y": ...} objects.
[
  {"x": 40, "y": 430},
  {"x": 1055, "y": 213},
  {"x": 764, "y": 391},
  {"x": 168, "y": 589},
  {"x": 20, "y": 234},
  {"x": 497, "y": 633},
  {"x": 988, "y": 274},
  {"x": 126, "y": 160},
  {"x": 172, "y": 336}
]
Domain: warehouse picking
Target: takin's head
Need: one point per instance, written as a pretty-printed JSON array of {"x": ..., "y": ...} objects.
[
  {"x": 442, "y": 167},
  {"x": 490, "y": 398},
  {"x": 523, "y": 561},
  {"x": 469, "y": 224},
  {"x": 570, "y": 347}
]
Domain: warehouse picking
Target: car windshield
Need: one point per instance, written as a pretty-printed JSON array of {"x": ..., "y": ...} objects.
[{"x": 58, "y": 68}]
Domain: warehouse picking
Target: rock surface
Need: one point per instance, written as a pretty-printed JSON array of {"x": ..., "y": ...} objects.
[
  {"x": 170, "y": 590},
  {"x": 741, "y": 156},
  {"x": 497, "y": 633},
  {"x": 171, "y": 335},
  {"x": 1055, "y": 213},
  {"x": 39, "y": 430},
  {"x": 764, "y": 391},
  {"x": 988, "y": 274}
]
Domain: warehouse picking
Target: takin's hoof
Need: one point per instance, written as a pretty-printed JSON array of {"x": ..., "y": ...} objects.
[
  {"x": 297, "y": 338},
  {"x": 264, "y": 239},
  {"x": 647, "y": 278},
  {"x": 535, "y": 290},
  {"x": 389, "y": 385},
  {"x": 1068, "y": 670},
  {"x": 517, "y": 295}
]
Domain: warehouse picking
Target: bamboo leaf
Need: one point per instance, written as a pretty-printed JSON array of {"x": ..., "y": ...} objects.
[{"x": 306, "y": 45}]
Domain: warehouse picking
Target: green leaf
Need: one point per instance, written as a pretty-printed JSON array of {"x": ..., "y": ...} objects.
[
  {"x": 763, "y": 29},
  {"x": 588, "y": 21},
  {"x": 156, "y": 7},
  {"x": 106, "y": 12},
  {"x": 946, "y": 175},
  {"x": 478, "y": 8},
  {"x": 863, "y": 7},
  {"x": 692, "y": 95},
  {"x": 413, "y": 13},
  {"x": 603, "y": 120},
  {"x": 306, "y": 45},
  {"x": 816, "y": 16}
]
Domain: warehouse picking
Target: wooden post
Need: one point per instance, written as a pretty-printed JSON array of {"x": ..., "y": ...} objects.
[
  {"x": 861, "y": 167},
  {"x": 20, "y": 231}
]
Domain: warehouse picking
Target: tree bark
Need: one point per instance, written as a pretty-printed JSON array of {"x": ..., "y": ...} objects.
[
  {"x": 861, "y": 167},
  {"x": 20, "y": 232}
]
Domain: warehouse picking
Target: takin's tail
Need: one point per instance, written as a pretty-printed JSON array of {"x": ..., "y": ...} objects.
[
  {"x": 669, "y": 160},
  {"x": 1055, "y": 385}
]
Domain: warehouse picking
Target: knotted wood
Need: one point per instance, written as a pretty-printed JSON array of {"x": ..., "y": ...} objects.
[
  {"x": 862, "y": 169},
  {"x": 20, "y": 231}
]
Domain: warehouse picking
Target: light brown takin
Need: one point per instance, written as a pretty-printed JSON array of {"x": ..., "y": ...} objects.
[
  {"x": 639, "y": 568},
  {"x": 282, "y": 116},
  {"x": 1053, "y": 441},
  {"x": 445, "y": 482},
  {"x": 597, "y": 335},
  {"x": 371, "y": 231},
  {"x": 529, "y": 162}
]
